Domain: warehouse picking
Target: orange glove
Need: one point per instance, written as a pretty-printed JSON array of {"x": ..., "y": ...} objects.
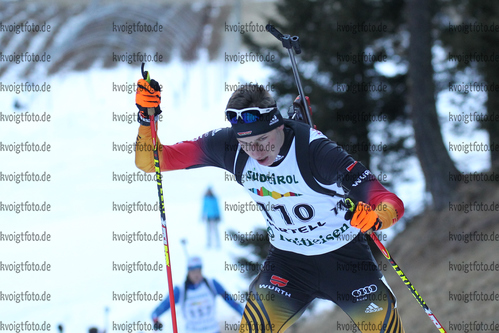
[
  {"x": 362, "y": 217},
  {"x": 148, "y": 95}
]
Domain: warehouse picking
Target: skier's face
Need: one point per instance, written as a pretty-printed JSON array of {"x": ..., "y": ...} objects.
[
  {"x": 264, "y": 147},
  {"x": 195, "y": 275}
]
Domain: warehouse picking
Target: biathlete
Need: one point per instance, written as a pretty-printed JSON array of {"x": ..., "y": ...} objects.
[
  {"x": 197, "y": 301},
  {"x": 304, "y": 178}
]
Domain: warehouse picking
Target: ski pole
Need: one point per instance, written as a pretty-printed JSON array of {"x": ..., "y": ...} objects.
[
  {"x": 404, "y": 278},
  {"x": 289, "y": 43},
  {"x": 150, "y": 112},
  {"x": 408, "y": 283}
]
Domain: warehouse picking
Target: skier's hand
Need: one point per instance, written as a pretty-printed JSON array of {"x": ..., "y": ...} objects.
[
  {"x": 148, "y": 95},
  {"x": 158, "y": 326},
  {"x": 362, "y": 216},
  {"x": 297, "y": 102},
  {"x": 298, "y": 108}
]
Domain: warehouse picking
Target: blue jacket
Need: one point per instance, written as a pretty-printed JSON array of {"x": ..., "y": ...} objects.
[{"x": 210, "y": 207}]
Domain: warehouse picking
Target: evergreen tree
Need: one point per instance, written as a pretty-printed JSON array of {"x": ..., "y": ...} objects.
[{"x": 344, "y": 44}]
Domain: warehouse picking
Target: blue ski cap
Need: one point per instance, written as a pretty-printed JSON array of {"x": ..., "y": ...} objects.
[{"x": 194, "y": 263}]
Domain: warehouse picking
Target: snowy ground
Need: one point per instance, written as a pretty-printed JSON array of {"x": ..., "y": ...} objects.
[{"x": 82, "y": 191}]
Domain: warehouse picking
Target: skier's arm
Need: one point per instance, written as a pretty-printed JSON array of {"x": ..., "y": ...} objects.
[
  {"x": 165, "y": 305},
  {"x": 227, "y": 298},
  {"x": 203, "y": 151},
  {"x": 171, "y": 157},
  {"x": 210, "y": 149},
  {"x": 387, "y": 205},
  {"x": 331, "y": 164}
]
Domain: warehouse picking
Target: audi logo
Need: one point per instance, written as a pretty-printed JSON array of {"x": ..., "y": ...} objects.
[{"x": 365, "y": 291}]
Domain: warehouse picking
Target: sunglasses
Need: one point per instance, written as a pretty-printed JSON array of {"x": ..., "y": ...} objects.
[{"x": 248, "y": 115}]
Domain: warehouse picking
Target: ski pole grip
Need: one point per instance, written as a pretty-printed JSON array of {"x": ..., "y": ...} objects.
[
  {"x": 350, "y": 204},
  {"x": 145, "y": 74},
  {"x": 270, "y": 28},
  {"x": 286, "y": 41},
  {"x": 295, "y": 41}
]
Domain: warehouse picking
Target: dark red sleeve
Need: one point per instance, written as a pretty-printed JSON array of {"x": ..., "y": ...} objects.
[
  {"x": 215, "y": 148},
  {"x": 377, "y": 193}
]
